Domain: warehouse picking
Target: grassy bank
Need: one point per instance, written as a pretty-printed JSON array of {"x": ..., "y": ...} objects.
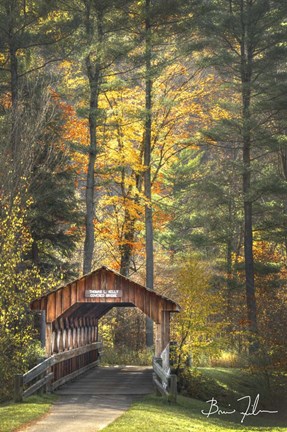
[
  {"x": 14, "y": 415},
  {"x": 154, "y": 414},
  {"x": 228, "y": 384}
]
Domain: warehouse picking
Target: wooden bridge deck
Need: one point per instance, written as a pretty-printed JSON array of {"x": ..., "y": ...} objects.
[
  {"x": 126, "y": 380},
  {"x": 96, "y": 399}
]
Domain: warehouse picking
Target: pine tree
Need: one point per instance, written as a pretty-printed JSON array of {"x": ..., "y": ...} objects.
[
  {"x": 101, "y": 37},
  {"x": 28, "y": 30},
  {"x": 246, "y": 37}
]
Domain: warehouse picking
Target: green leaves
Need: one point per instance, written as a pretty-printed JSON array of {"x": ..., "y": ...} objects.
[{"x": 20, "y": 283}]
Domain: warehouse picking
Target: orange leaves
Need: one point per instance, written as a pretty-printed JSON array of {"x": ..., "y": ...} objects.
[
  {"x": 269, "y": 267},
  {"x": 75, "y": 136},
  {"x": 72, "y": 230},
  {"x": 6, "y": 101},
  {"x": 76, "y": 131},
  {"x": 180, "y": 109},
  {"x": 271, "y": 298}
]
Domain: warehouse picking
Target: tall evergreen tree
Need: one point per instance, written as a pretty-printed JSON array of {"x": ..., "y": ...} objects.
[
  {"x": 46, "y": 176},
  {"x": 246, "y": 37},
  {"x": 147, "y": 163},
  {"x": 28, "y": 31},
  {"x": 54, "y": 216},
  {"x": 101, "y": 34},
  {"x": 155, "y": 32}
]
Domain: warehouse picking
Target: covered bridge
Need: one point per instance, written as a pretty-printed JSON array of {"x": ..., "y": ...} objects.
[{"x": 70, "y": 317}]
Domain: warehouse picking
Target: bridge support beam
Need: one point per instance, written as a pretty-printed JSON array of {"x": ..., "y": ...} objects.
[
  {"x": 162, "y": 333},
  {"x": 48, "y": 339}
]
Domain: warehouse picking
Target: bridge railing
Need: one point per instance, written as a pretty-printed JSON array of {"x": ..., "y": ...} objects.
[
  {"x": 164, "y": 382},
  {"x": 57, "y": 370}
]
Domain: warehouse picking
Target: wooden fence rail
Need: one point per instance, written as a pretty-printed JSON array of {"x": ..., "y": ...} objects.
[
  {"x": 57, "y": 370},
  {"x": 165, "y": 383}
]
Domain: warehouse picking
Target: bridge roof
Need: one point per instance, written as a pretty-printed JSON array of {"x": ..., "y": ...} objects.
[{"x": 94, "y": 294}]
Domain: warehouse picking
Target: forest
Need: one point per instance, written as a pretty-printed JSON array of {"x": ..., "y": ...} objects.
[{"x": 148, "y": 136}]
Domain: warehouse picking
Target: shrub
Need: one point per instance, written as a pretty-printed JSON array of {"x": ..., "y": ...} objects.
[
  {"x": 124, "y": 356},
  {"x": 195, "y": 384},
  {"x": 20, "y": 283},
  {"x": 198, "y": 326}
]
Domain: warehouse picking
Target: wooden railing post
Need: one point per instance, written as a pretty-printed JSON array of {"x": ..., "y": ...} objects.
[
  {"x": 39, "y": 361},
  {"x": 48, "y": 386},
  {"x": 165, "y": 383},
  {"x": 173, "y": 387},
  {"x": 18, "y": 388},
  {"x": 154, "y": 378},
  {"x": 48, "y": 380},
  {"x": 158, "y": 360}
]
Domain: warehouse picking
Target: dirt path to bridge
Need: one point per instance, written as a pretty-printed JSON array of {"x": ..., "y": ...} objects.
[{"x": 95, "y": 400}]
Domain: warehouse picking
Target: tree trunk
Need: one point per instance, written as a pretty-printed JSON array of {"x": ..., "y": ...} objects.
[
  {"x": 35, "y": 253},
  {"x": 147, "y": 163},
  {"x": 90, "y": 188},
  {"x": 128, "y": 239},
  {"x": 14, "y": 88},
  {"x": 283, "y": 157},
  {"x": 229, "y": 280},
  {"x": 93, "y": 73},
  {"x": 246, "y": 78},
  {"x": 126, "y": 249}
]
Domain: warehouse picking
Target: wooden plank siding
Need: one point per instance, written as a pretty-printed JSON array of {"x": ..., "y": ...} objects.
[
  {"x": 72, "y": 316},
  {"x": 67, "y": 300}
]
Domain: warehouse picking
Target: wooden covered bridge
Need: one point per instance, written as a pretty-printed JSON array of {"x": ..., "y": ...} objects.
[{"x": 70, "y": 317}]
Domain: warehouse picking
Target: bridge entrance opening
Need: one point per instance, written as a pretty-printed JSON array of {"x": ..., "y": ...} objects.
[
  {"x": 71, "y": 314},
  {"x": 70, "y": 332}
]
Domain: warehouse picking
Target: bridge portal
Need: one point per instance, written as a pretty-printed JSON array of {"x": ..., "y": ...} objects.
[{"x": 72, "y": 312}]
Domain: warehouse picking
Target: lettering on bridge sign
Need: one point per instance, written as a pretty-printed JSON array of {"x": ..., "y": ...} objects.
[{"x": 103, "y": 293}]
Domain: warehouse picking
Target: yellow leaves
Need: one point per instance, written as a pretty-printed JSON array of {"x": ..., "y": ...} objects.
[
  {"x": 2, "y": 57},
  {"x": 180, "y": 109},
  {"x": 121, "y": 155},
  {"x": 197, "y": 325},
  {"x": 57, "y": 15},
  {"x": 20, "y": 281},
  {"x": 194, "y": 288},
  {"x": 219, "y": 113}
]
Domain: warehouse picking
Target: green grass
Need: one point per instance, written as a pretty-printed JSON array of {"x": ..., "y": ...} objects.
[
  {"x": 154, "y": 414},
  {"x": 235, "y": 379},
  {"x": 233, "y": 383},
  {"x": 14, "y": 415}
]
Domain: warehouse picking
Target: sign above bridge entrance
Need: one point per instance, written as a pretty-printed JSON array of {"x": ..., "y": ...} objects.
[{"x": 103, "y": 293}]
